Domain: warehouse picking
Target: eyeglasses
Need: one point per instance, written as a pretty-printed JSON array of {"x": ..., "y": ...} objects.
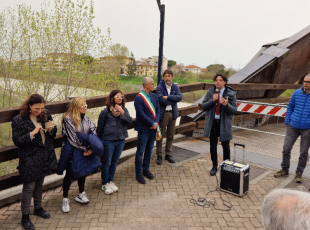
[
  {"x": 119, "y": 97},
  {"x": 308, "y": 82},
  {"x": 84, "y": 107}
]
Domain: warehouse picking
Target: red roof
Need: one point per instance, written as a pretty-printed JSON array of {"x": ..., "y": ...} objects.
[{"x": 192, "y": 66}]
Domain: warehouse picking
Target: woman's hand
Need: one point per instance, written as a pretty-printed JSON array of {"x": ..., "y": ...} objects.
[
  {"x": 36, "y": 130},
  {"x": 51, "y": 128},
  {"x": 89, "y": 152},
  {"x": 119, "y": 109}
]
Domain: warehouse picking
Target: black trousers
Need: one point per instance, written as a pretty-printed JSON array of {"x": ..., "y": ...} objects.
[
  {"x": 215, "y": 133},
  {"x": 67, "y": 181}
]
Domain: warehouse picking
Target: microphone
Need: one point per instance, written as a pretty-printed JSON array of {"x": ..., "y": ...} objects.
[{"x": 217, "y": 90}]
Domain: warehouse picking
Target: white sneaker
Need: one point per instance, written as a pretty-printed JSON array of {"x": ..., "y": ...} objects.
[
  {"x": 82, "y": 198},
  {"x": 107, "y": 189},
  {"x": 113, "y": 186},
  {"x": 65, "y": 205}
]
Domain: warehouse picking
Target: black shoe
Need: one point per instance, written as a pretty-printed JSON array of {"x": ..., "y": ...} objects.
[
  {"x": 140, "y": 179},
  {"x": 41, "y": 213},
  {"x": 147, "y": 174},
  {"x": 169, "y": 159},
  {"x": 159, "y": 160},
  {"x": 213, "y": 171},
  {"x": 26, "y": 223}
]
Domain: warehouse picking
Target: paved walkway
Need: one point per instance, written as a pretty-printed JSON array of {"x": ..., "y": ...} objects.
[{"x": 163, "y": 203}]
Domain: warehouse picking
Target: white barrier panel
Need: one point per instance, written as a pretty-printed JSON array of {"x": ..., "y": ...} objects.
[{"x": 262, "y": 108}]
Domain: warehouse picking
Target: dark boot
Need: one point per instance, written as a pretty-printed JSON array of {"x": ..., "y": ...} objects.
[
  {"x": 169, "y": 159},
  {"x": 213, "y": 171},
  {"x": 41, "y": 213},
  {"x": 26, "y": 223},
  {"x": 159, "y": 160}
]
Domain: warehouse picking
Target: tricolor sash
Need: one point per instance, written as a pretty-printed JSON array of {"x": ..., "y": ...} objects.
[{"x": 152, "y": 109}]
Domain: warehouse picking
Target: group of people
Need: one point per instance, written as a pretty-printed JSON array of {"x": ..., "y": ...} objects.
[{"x": 33, "y": 133}]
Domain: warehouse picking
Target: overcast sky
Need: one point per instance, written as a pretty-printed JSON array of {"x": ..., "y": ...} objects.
[{"x": 200, "y": 32}]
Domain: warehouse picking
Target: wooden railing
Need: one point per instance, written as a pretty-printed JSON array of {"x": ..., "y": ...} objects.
[{"x": 10, "y": 152}]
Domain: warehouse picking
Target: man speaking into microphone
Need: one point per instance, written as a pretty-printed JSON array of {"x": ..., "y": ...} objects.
[{"x": 220, "y": 104}]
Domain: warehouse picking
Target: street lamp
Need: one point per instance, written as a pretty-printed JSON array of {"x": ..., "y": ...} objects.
[{"x": 161, "y": 39}]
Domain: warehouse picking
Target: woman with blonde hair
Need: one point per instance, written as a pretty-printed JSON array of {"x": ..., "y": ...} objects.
[
  {"x": 75, "y": 121},
  {"x": 33, "y": 134}
]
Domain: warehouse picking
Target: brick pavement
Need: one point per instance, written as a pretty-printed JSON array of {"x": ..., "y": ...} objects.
[{"x": 163, "y": 203}]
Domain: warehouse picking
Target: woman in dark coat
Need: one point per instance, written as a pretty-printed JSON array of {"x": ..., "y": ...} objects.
[{"x": 37, "y": 157}]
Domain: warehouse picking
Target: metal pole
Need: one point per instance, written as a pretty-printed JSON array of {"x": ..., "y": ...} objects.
[{"x": 161, "y": 40}]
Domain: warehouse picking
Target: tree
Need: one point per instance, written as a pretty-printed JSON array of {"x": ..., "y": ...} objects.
[
  {"x": 120, "y": 54},
  {"x": 216, "y": 68},
  {"x": 171, "y": 63},
  {"x": 132, "y": 67},
  {"x": 48, "y": 41},
  {"x": 118, "y": 50}
]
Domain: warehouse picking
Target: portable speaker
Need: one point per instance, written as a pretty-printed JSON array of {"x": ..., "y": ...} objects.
[{"x": 234, "y": 177}]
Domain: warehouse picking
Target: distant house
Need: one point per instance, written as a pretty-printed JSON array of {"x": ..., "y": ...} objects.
[
  {"x": 203, "y": 70},
  {"x": 146, "y": 69},
  {"x": 154, "y": 61},
  {"x": 176, "y": 69},
  {"x": 192, "y": 68},
  {"x": 111, "y": 62},
  {"x": 54, "y": 61}
]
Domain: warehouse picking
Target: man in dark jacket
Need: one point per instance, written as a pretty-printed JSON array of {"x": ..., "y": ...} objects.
[
  {"x": 298, "y": 124},
  {"x": 220, "y": 104},
  {"x": 147, "y": 119},
  {"x": 169, "y": 95}
]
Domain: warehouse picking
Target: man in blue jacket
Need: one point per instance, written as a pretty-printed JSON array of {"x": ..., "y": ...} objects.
[
  {"x": 298, "y": 124},
  {"x": 169, "y": 95},
  {"x": 147, "y": 119}
]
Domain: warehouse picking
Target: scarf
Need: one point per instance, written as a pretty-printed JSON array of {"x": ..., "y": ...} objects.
[{"x": 114, "y": 112}]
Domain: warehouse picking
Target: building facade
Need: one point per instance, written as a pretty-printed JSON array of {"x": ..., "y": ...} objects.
[
  {"x": 192, "y": 68},
  {"x": 154, "y": 61},
  {"x": 146, "y": 69}
]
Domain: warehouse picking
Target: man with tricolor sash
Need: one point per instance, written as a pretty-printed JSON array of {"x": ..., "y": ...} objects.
[{"x": 147, "y": 119}]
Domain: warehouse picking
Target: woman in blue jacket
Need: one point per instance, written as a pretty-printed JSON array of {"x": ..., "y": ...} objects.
[{"x": 112, "y": 128}]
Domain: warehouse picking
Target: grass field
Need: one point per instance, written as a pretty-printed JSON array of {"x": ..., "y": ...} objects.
[{"x": 138, "y": 80}]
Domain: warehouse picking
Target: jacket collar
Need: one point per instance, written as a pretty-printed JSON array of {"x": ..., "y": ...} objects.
[{"x": 163, "y": 85}]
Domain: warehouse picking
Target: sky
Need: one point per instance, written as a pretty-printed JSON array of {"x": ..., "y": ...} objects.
[{"x": 199, "y": 32}]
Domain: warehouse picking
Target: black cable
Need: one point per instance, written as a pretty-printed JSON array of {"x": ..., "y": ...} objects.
[{"x": 203, "y": 201}]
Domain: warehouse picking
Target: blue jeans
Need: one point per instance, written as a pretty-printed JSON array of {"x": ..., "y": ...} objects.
[
  {"x": 145, "y": 145},
  {"x": 112, "y": 152}
]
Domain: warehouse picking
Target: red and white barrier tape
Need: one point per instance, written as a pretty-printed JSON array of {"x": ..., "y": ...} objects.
[{"x": 262, "y": 109}]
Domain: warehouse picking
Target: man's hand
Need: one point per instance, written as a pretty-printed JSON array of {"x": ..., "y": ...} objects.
[
  {"x": 165, "y": 97},
  {"x": 155, "y": 126},
  {"x": 215, "y": 97},
  {"x": 223, "y": 101}
]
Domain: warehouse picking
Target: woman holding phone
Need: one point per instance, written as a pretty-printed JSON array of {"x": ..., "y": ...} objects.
[
  {"x": 112, "y": 128},
  {"x": 37, "y": 157}
]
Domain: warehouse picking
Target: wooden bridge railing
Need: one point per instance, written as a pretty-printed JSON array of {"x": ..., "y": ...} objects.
[{"x": 6, "y": 115}]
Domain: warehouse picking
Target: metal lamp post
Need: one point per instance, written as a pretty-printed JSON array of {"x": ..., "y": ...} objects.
[{"x": 161, "y": 39}]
